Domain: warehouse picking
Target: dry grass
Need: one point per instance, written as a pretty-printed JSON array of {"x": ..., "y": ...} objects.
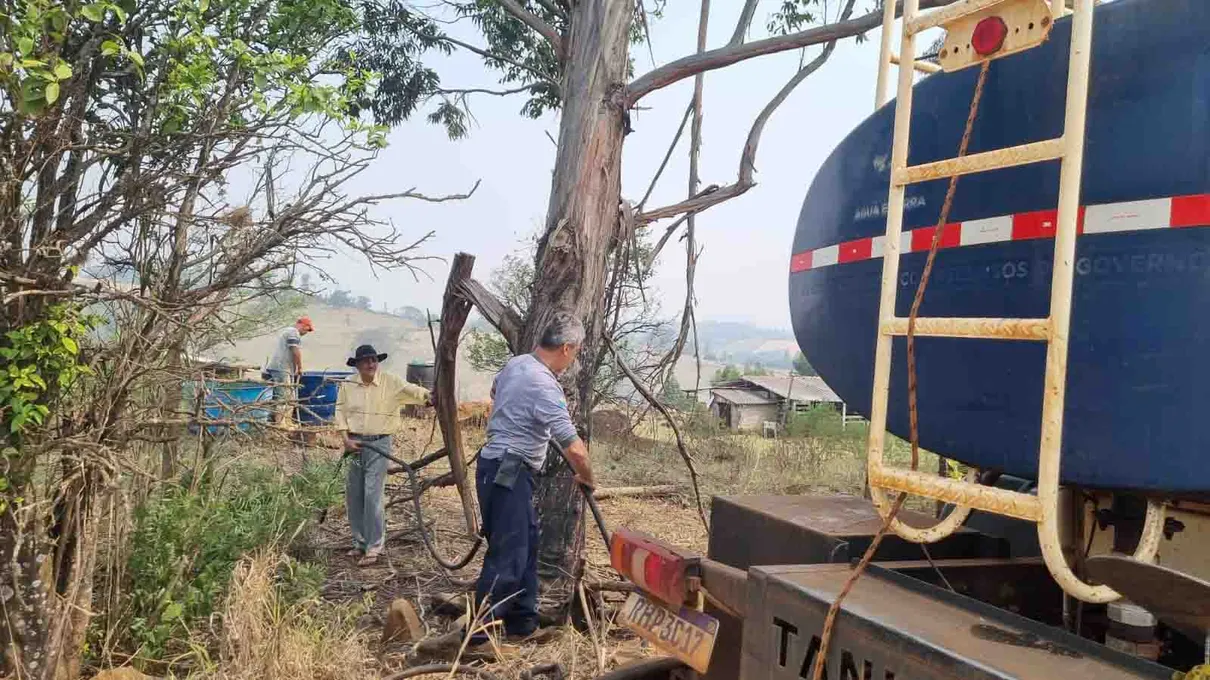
[
  {"x": 264, "y": 637},
  {"x": 831, "y": 460}
]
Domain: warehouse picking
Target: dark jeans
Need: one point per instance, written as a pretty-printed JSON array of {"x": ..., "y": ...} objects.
[{"x": 510, "y": 524}]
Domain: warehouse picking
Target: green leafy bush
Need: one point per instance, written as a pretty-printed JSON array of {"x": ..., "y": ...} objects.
[
  {"x": 821, "y": 421},
  {"x": 187, "y": 542}
]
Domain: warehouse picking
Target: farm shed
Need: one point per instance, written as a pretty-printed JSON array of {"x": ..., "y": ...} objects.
[{"x": 750, "y": 401}]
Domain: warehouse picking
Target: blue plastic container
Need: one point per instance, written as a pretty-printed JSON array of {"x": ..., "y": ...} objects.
[
  {"x": 1139, "y": 362},
  {"x": 230, "y": 401},
  {"x": 317, "y": 396}
]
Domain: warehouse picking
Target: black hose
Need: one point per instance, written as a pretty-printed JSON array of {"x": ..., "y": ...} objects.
[
  {"x": 587, "y": 491},
  {"x": 434, "y": 668},
  {"x": 424, "y": 532},
  {"x": 647, "y": 669}
]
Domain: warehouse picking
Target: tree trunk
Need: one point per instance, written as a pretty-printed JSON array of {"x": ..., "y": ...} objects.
[
  {"x": 25, "y": 576},
  {"x": 570, "y": 267}
]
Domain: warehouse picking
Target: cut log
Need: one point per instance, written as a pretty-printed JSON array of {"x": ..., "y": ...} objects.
[
  {"x": 403, "y": 624},
  {"x": 636, "y": 491}
]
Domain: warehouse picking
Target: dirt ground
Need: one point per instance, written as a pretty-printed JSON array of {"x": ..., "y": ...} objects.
[
  {"x": 828, "y": 460},
  {"x": 409, "y": 571}
]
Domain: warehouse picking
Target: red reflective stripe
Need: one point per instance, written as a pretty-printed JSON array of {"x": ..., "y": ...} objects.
[
  {"x": 1031, "y": 225},
  {"x": 1183, "y": 211},
  {"x": 852, "y": 251},
  {"x": 1041, "y": 224},
  {"x": 1190, "y": 211},
  {"x": 922, "y": 239}
]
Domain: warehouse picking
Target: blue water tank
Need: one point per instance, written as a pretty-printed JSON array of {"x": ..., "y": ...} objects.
[
  {"x": 1139, "y": 360},
  {"x": 317, "y": 396},
  {"x": 239, "y": 401}
]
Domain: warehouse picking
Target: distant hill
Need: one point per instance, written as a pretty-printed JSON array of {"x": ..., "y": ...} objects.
[
  {"x": 405, "y": 337},
  {"x": 731, "y": 342},
  {"x": 339, "y": 330}
]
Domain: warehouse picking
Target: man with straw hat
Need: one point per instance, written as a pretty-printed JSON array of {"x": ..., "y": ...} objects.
[{"x": 367, "y": 413}]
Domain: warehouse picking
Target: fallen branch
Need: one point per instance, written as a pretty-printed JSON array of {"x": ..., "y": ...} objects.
[
  {"x": 592, "y": 630},
  {"x": 454, "y": 311},
  {"x": 680, "y": 441},
  {"x": 610, "y": 586},
  {"x": 496, "y": 312},
  {"x": 636, "y": 491}
]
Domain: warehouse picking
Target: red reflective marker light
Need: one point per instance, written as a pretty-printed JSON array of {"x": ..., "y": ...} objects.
[
  {"x": 989, "y": 36},
  {"x": 655, "y": 567}
]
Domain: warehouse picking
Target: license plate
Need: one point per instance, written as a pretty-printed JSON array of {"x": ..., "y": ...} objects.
[{"x": 686, "y": 634}]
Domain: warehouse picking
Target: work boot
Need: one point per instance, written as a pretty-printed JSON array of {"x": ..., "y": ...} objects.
[{"x": 538, "y": 636}]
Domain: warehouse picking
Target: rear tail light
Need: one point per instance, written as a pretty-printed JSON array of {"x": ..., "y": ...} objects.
[
  {"x": 655, "y": 567},
  {"x": 989, "y": 36}
]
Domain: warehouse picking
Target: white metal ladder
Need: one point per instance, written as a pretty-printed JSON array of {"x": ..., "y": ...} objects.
[{"x": 1044, "y": 508}]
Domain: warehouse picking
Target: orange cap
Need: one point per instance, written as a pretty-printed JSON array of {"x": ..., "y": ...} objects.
[{"x": 305, "y": 322}]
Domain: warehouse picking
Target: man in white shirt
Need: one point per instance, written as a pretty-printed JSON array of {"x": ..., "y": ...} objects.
[{"x": 284, "y": 368}]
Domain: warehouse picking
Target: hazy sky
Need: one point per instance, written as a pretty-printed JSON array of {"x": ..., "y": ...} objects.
[{"x": 743, "y": 271}]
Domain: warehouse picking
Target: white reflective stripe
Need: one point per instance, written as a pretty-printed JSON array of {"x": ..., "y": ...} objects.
[
  {"x": 1098, "y": 219},
  {"x": 638, "y": 574},
  {"x": 1136, "y": 215},
  {"x": 991, "y": 230},
  {"x": 824, "y": 257},
  {"x": 876, "y": 246}
]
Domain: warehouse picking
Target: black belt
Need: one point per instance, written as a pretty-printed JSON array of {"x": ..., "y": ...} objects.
[{"x": 369, "y": 437}]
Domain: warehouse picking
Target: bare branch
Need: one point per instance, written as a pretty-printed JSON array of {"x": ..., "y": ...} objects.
[
  {"x": 483, "y": 90},
  {"x": 687, "y": 67},
  {"x": 664, "y": 163},
  {"x": 745, "y": 21},
  {"x": 676, "y": 430},
  {"x": 486, "y": 54},
  {"x": 664, "y": 239},
  {"x": 713, "y": 195},
  {"x": 553, "y": 8},
  {"x": 702, "y": 200},
  {"x": 695, "y": 149},
  {"x": 642, "y": 10},
  {"x": 535, "y": 22},
  {"x": 412, "y": 193},
  {"x": 497, "y": 313}
]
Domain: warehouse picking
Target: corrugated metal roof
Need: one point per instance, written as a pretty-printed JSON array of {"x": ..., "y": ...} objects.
[
  {"x": 740, "y": 396},
  {"x": 796, "y": 388}
]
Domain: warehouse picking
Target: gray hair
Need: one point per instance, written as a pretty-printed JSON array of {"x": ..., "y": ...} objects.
[{"x": 564, "y": 328}]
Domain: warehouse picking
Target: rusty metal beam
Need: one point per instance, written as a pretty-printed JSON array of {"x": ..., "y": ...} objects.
[
  {"x": 1035, "y": 152},
  {"x": 989, "y": 328}
]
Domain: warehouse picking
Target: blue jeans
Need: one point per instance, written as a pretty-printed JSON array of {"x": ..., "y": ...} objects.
[
  {"x": 363, "y": 492},
  {"x": 283, "y": 394},
  {"x": 510, "y": 524}
]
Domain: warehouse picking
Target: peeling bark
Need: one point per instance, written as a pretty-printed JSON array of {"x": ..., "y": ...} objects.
[{"x": 572, "y": 257}]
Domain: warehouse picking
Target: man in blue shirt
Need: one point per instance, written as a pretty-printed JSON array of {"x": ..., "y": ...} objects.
[{"x": 528, "y": 410}]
